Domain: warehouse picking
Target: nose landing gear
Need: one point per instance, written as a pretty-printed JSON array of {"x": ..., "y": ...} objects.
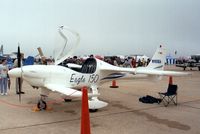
[{"x": 42, "y": 105}]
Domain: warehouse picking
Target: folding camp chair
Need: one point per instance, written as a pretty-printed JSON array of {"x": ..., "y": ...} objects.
[{"x": 170, "y": 95}]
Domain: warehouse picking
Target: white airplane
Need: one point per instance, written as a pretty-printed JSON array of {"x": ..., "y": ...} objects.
[{"x": 92, "y": 73}]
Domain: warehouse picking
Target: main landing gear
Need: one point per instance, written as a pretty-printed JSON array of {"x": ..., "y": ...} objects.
[
  {"x": 94, "y": 102},
  {"x": 67, "y": 100},
  {"x": 93, "y": 110}
]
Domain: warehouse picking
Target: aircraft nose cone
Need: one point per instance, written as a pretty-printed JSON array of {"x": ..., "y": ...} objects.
[{"x": 15, "y": 72}]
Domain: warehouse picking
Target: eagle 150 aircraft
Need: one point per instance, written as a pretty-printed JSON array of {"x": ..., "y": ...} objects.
[{"x": 93, "y": 72}]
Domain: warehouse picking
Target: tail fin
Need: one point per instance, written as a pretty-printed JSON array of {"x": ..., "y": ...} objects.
[{"x": 158, "y": 59}]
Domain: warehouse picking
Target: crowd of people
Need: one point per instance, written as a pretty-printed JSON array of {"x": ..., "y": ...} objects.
[
  {"x": 113, "y": 60},
  {"x": 127, "y": 62}
]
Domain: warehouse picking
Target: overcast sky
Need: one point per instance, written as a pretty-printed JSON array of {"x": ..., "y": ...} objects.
[{"x": 108, "y": 27}]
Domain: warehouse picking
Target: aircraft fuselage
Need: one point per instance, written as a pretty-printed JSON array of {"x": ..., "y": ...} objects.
[{"x": 38, "y": 75}]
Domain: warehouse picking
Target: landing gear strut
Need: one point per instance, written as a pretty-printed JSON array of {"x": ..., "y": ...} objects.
[{"x": 94, "y": 102}]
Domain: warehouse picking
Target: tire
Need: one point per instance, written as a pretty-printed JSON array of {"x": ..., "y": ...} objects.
[
  {"x": 42, "y": 105},
  {"x": 93, "y": 110},
  {"x": 67, "y": 100}
]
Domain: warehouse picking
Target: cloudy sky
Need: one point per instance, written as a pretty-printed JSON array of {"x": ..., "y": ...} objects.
[{"x": 108, "y": 27}]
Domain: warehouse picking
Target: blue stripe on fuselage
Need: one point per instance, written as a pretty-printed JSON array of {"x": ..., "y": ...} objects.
[{"x": 113, "y": 76}]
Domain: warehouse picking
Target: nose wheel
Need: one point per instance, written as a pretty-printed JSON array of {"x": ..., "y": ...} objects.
[{"x": 42, "y": 105}]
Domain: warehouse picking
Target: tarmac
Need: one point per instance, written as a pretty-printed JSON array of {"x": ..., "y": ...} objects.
[{"x": 124, "y": 114}]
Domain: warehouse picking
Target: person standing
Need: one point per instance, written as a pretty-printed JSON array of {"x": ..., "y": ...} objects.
[
  {"x": 4, "y": 77},
  {"x": 115, "y": 61},
  {"x": 139, "y": 63},
  {"x": 143, "y": 62},
  {"x": 1, "y": 67},
  {"x": 133, "y": 62}
]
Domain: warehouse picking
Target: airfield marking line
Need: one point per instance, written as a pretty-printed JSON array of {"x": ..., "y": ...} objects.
[{"x": 106, "y": 114}]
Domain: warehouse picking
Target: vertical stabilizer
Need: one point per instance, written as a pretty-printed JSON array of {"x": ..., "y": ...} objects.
[{"x": 158, "y": 59}]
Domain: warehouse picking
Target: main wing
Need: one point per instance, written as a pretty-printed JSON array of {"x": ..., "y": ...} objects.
[
  {"x": 155, "y": 67},
  {"x": 149, "y": 71},
  {"x": 142, "y": 70},
  {"x": 64, "y": 90},
  {"x": 67, "y": 91}
]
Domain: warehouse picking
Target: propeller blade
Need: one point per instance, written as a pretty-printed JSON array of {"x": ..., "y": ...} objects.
[
  {"x": 19, "y": 79},
  {"x": 18, "y": 57}
]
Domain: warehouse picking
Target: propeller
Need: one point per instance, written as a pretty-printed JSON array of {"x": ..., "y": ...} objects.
[{"x": 19, "y": 78}]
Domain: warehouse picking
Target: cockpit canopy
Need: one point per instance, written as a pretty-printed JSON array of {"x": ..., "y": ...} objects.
[{"x": 89, "y": 66}]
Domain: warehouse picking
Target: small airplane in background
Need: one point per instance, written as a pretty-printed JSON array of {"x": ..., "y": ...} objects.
[
  {"x": 194, "y": 62},
  {"x": 93, "y": 72}
]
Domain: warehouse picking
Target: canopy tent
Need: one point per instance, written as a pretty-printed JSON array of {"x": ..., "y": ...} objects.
[{"x": 170, "y": 60}]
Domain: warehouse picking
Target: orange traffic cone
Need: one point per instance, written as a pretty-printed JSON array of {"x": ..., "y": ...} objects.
[
  {"x": 170, "y": 80},
  {"x": 85, "y": 119},
  {"x": 114, "y": 85}
]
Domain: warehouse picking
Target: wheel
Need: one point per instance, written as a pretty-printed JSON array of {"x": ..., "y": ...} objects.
[
  {"x": 199, "y": 68},
  {"x": 42, "y": 105},
  {"x": 67, "y": 100},
  {"x": 93, "y": 110}
]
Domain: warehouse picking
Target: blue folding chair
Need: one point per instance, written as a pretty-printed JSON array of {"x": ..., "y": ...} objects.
[{"x": 170, "y": 95}]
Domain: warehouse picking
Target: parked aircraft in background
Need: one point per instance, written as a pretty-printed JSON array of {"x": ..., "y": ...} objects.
[
  {"x": 194, "y": 62},
  {"x": 91, "y": 74}
]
